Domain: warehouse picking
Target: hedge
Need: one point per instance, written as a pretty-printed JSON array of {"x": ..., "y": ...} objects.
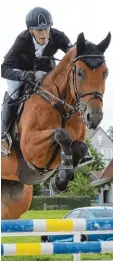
[{"x": 64, "y": 202}]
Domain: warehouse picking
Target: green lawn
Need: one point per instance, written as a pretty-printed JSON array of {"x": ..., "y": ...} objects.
[{"x": 47, "y": 214}]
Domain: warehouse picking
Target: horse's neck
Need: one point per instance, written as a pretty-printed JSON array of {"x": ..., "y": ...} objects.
[{"x": 61, "y": 77}]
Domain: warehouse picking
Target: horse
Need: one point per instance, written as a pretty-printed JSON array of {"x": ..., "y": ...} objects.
[{"x": 53, "y": 120}]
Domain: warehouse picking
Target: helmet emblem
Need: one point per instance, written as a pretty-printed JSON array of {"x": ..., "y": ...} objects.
[{"x": 42, "y": 20}]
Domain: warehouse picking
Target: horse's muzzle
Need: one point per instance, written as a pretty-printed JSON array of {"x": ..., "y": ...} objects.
[{"x": 93, "y": 119}]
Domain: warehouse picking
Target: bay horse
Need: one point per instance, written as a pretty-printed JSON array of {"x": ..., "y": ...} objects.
[{"x": 53, "y": 120}]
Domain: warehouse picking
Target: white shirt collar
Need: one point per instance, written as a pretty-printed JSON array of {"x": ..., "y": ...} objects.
[{"x": 38, "y": 48}]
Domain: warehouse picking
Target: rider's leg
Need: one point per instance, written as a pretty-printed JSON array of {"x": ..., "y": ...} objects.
[{"x": 8, "y": 113}]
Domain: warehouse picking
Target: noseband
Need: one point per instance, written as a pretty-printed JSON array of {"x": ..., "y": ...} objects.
[{"x": 95, "y": 94}]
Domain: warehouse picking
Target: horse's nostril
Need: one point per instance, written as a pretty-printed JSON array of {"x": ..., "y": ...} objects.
[{"x": 88, "y": 117}]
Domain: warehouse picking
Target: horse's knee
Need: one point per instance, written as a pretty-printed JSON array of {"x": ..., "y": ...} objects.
[{"x": 63, "y": 138}]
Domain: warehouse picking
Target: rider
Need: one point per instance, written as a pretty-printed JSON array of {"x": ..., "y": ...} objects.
[{"x": 40, "y": 39}]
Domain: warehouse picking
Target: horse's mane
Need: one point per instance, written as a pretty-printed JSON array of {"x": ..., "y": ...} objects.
[
  {"x": 59, "y": 74},
  {"x": 65, "y": 63}
]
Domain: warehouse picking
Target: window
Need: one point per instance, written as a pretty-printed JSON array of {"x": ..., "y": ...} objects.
[
  {"x": 73, "y": 214},
  {"x": 102, "y": 212},
  {"x": 102, "y": 151},
  {"x": 111, "y": 153},
  {"x": 99, "y": 140},
  {"x": 107, "y": 153},
  {"x": 83, "y": 214}
]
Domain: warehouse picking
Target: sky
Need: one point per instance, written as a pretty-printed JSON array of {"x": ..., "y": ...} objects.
[{"x": 94, "y": 18}]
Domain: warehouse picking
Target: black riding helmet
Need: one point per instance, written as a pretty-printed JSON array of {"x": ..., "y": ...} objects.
[{"x": 39, "y": 18}]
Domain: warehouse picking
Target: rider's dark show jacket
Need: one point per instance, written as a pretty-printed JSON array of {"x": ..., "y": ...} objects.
[{"x": 22, "y": 54}]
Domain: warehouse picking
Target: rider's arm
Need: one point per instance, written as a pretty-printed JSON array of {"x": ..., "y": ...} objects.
[
  {"x": 64, "y": 43},
  {"x": 12, "y": 60}
]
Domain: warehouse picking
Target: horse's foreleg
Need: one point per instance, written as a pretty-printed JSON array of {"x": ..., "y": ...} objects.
[
  {"x": 66, "y": 171},
  {"x": 73, "y": 151},
  {"x": 65, "y": 141}
]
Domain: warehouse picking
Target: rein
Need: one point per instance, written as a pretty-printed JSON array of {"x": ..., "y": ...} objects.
[{"x": 79, "y": 106}]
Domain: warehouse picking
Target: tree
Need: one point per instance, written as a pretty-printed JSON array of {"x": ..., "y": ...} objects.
[
  {"x": 37, "y": 190},
  {"x": 110, "y": 132},
  {"x": 98, "y": 163},
  {"x": 80, "y": 186}
]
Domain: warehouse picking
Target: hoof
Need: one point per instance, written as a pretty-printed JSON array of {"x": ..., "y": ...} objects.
[
  {"x": 61, "y": 180},
  {"x": 59, "y": 183},
  {"x": 79, "y": 150}
]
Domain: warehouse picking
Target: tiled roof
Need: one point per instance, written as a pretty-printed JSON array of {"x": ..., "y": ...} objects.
[{"x": 108, "y": 171}]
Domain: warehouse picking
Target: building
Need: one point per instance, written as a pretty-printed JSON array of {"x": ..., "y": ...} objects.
[
  {"x": 101, "y": 142},
  {"x": 105, "y": 186}
]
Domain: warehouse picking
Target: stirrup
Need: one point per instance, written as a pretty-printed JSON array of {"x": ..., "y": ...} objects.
[{"x": 6, "y": 144}]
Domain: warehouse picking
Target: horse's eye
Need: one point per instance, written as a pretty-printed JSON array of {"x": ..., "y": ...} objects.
[
  {"x": 105, "y": 73},
  {"x": 80, "y": 73}
]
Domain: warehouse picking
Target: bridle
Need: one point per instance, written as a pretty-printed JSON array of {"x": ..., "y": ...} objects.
[
  {"x": 95, "y": 95},
  {"x": 78, "y": 106}
]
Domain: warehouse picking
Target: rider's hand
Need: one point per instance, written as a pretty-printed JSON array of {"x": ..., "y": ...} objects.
[{"x": 26, "y": 76}]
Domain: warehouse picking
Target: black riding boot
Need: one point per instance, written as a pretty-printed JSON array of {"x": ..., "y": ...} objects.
[{"x": 6, "y": 120}]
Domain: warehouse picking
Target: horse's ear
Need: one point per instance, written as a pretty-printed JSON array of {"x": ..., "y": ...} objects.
[
  {"x": 103, "y": 45},
  {"x": 80, "y": 43}
]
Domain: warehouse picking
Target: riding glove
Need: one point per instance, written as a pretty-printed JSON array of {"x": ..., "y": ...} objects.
[{"x": 26, "y": 76}]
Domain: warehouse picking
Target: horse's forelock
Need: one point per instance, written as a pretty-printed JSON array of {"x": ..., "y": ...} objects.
[
  {"x": 92, "y": 49},
  {"x": 93, "y": 62}
]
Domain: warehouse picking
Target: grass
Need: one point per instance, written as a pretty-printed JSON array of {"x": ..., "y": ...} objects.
[{"x": 41, "y": 215}]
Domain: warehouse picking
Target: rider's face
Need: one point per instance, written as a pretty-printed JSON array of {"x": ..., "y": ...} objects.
[{"x": 41, "y": 35}]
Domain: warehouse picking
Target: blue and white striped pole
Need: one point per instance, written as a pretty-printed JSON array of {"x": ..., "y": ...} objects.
[
  {"x": 56, "y": 248},
  {"x": 56, "y": 225}
]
